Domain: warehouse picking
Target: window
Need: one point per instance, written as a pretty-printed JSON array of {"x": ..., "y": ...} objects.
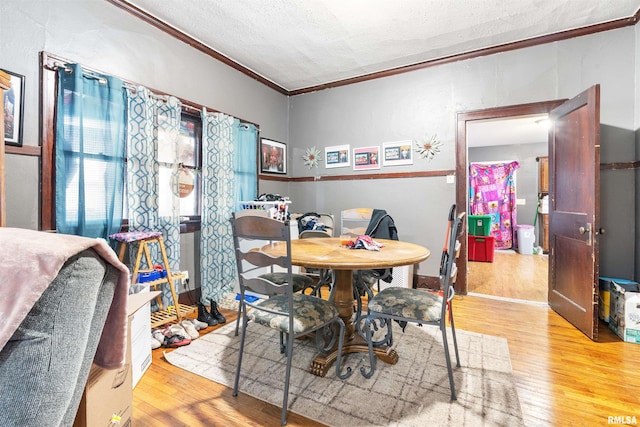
[
  {"x": 90, "y": 129},
  {"x": 189, "y": 152}
]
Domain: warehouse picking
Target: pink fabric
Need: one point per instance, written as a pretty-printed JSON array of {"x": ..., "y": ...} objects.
[
  {"x": 30, "y": 260},
  {"x": 492, "y": 192},
  {"x": 134, "y": 236}
]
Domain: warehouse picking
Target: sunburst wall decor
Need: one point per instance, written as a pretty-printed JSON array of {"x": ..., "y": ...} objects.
[
  {"x": 429, "y": 148},
  {"x": 311, "y": 157}
]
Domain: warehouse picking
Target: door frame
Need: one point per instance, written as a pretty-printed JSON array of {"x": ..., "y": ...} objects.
[{"x": 462, "y": 168}]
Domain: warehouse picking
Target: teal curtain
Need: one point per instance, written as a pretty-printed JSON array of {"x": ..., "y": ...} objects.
[
  {"x": 89, "y": 153},
  {"x": 152, "y": 169},
  {"x": 245, "y": 163}
]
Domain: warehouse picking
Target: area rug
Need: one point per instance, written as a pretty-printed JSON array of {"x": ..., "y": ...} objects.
[{"x": 412, "y": 393}]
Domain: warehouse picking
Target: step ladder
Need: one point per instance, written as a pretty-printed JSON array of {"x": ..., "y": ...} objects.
[{"x": 143, "y": 239}]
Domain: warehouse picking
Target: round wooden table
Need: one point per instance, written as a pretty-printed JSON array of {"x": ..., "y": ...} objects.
[{"x": 327, "y": 253}]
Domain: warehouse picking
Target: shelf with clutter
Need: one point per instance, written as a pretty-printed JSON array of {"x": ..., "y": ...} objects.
[
  {"x": 156, "y": 274},
  {"x": 276, "y": 209},
  {"x": 543, "y": 201}
]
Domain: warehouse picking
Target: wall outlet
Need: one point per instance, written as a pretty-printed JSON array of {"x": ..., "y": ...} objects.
[
  {"x": 182, "y": 284},
  {"x": 451, "y": 179},
  {"x": 521, "y": 202}
]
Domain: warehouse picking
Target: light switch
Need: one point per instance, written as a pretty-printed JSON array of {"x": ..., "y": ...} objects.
[{"x": 521, "y": 201}]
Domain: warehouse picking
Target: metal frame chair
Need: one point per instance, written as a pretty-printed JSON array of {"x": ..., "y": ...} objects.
[
  {"x": 324, "y": 277},
  {"x": 292, "y": 314},
  {"x": 354, "y": 221},
  {"x": 301, "y": 281},
  {"x": 417, "y": 306}
]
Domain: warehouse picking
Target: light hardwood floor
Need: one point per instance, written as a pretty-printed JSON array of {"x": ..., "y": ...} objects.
[
  {"x": 563, "y": 378},
  {"x": 511, "y": 275}
]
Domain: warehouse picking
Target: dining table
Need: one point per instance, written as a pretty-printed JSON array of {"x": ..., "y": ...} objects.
[{"x": 330, "y": 253}]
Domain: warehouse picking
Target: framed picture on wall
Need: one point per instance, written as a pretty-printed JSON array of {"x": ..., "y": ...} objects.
[
  {"x": 366, "y": 158},
  {"x": 336, "y": 156},
  {"x": 13, "y": 110},
  {"x": 397, "y": 153},
  {"x": 273, "y": 156}
]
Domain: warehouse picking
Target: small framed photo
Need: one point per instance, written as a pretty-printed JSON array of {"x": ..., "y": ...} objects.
[
  {"x": 13, "y": 110},
  {"x": 366, "y": 158},
  {"x": 397, "y": 153},
  {"x": 273, "y": 156},
  {"x": 337, "y": 156}
]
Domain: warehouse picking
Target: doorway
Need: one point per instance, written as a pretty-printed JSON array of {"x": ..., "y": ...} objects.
[
  {"x": 503, "y": 154},
  {"x": 512, "y": 274}
]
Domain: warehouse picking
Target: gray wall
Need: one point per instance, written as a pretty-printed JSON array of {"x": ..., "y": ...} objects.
[
  {"x": 408, "y": 106},
  {"x": 100, "y": 35},
  {"x": 425, "y": 102}
]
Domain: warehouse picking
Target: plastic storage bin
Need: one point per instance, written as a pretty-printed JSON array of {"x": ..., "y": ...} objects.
[
  {"x": 526, "y": 239},
  {"x": 479, "y": 225},
  {"x": 481, "y": 248}
]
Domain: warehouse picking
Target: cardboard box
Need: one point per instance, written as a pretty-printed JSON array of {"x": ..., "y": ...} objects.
[
  {"x": 140, "y": 341},
  {"x": 108, "y": 396},
  {"x": 604, "y": 298},
  {"x": 624, "y": 312}
]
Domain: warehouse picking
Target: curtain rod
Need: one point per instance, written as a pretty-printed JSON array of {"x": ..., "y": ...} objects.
[{"x": 53, "y": 62}]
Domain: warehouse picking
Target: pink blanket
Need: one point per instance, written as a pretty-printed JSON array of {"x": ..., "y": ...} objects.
[{"x": 30, "y": 260}]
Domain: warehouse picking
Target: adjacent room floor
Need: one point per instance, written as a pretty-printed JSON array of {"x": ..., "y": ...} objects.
[{"x": 511, "y": 275}]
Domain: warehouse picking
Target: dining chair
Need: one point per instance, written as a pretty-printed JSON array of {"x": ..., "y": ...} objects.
[
  {"x": 326, "y": 220},
  {"x": 418, "y": 306},
  {"x": 367, "y": 221},
  {"x": 324, "y": 277},
  {"x": 301, "y": 281},
  {"x": 292, "y": 314},
  {"x": 354, "y": 221}
]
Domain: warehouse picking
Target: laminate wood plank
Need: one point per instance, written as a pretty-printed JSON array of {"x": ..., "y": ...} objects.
[
  {"x": 511, "y": 275},
  {"x": 563, "y": 378},
  {"x": 170, "y": 396}
]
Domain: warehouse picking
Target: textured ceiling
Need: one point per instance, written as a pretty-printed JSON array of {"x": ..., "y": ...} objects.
[{"x": 299, "y": 44}]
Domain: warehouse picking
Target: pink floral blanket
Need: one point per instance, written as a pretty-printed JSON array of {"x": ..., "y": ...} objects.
[{"x": 30, "y": 260}]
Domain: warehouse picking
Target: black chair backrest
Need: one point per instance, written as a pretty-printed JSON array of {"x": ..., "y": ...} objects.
[{"x": 449, "y": 270}]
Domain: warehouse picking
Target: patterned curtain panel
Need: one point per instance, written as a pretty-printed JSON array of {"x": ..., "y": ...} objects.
[
  {"x": 217, "y": 259},
  {"x": 90, "y": 140},
  {"x": 492, "y": 192},
  {"x": 152, "y": 171}
]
